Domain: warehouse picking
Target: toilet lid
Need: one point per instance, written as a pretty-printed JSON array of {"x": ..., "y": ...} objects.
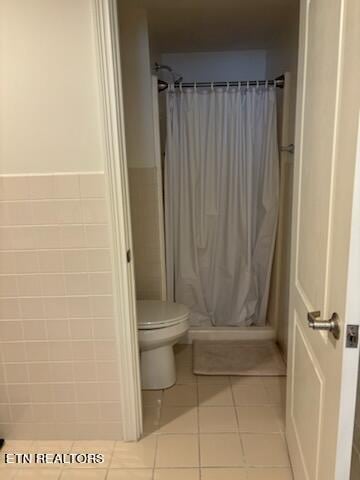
[{"x": 158, "y": 314}]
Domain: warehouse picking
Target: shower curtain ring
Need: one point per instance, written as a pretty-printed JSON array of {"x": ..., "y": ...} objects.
[
  {"x": 212, "y": 86},
  {"x": 227, "y": 86},
  {"x": 195, "y": 86},
  {"x": 180, "y": 87}
]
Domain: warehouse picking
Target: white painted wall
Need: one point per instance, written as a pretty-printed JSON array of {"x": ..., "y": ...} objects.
[
  {"x": 144, "y": 175},
  {"x": 210, "y": 66},
  {"x": 283, "y": 58},
  {"x": 218, "y": 66},
  {"x": 137, "y": 86},
  {"x": 49, "y": 115}
]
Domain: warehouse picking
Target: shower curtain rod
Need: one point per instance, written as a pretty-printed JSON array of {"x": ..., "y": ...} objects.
[{"x": 277, "y": 82}]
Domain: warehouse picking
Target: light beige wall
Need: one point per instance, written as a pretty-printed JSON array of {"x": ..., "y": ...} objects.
[
  {"x": 280, "y": 59},
  {"x": 284, "y": 59},
  {"x": 49, "y": 116},
  {"x": 137, "y": 86},
  {"x": 218, "y": 66},
  {"x": 145, "y": 184}
]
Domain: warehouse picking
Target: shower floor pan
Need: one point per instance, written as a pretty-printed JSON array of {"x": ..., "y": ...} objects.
[{"x": 229, "y": 333}]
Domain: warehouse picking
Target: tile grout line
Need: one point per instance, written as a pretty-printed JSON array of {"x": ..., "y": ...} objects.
[
  {"x": 157, "y": 435},
  {"x": 243, "y": 458},
  {"x": 198, "y": 428},
  {"x": 110, "y": 460}
]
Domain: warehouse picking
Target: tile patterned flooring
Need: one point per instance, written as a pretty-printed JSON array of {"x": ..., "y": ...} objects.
[{"x": 203, "y": 428}]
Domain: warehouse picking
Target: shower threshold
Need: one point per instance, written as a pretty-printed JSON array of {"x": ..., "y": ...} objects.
[{"x": 229, "y": 333}]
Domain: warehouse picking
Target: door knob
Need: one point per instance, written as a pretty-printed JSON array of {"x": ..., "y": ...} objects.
[{"x": 331, "y": 325}]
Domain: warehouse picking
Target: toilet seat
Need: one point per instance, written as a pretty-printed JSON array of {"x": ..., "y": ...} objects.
[{"x": 155, "y": 314}]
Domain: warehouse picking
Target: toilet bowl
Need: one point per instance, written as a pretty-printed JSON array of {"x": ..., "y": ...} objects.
[{"x": 160, "y": 326}]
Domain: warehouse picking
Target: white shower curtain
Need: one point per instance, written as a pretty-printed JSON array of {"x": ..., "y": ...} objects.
[{"x": 221, "y": 202}]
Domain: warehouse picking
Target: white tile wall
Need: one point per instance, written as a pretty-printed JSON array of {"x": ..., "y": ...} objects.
[
  {"x": 59, "y": 368},
  {"x": 144, "y": 190}
]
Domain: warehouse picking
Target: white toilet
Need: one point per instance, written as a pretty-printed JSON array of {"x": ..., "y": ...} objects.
[{"x": 160, "y": 326}]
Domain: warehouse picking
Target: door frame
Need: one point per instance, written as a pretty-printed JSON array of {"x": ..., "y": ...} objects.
[
  {"x": 107, "y": 43},
  {"x": 350, "y": 365}
]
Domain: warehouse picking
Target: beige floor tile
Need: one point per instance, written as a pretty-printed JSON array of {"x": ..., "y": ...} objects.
[
  {"x": 273, "y": 381},
  {"x": 258, "y": 419},
  {"x": 215, "y": 395},
  {"x": 179, "y": 420},
  {"x": 135, "y": 454},
  {"x": 177, "y": 451},
  {"x": 214, "y": 379},
  {"x": 223, "y": 474},
  {"x": 57, "y": 446},
  {"x": 9, "y": 465},
  {"x": 177, "y": 474},
  {"x": 151, "y": 419},
  {"x": 27, "y": 467},
  {"x": 276, "y": 395},
  {"x": 8, "y": 473},
  {"x": 244, "y": 380},
  {"x": 105, "y": 464},
  {"x": 281, "y": 415},
  {"x": 217, "y": 420},
  {"x": 184, "y": 374},
  {"x": 265, "y": 450},
  {"x": 51, "y": 467},
  {"x": 221, "y": 450},
  {"x": 37, "y": 474},
  {"x": 152, "y": 398},
  {"x": 18, "y": 446},
  {"x": 181, "y": 395},
  {"x": 82, "y": 474},
  {"x": 269, "y": 474},
  {"x": 135, "y": 474},
  {"x": 183, "y": 353},
  {"x": 91, "y": 446},
  {"x": 250, "y": 395},
  {"x": 276, "y": 389}
]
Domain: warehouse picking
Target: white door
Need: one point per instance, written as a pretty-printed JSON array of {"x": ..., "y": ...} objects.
[{"x": 325, "y": 241}]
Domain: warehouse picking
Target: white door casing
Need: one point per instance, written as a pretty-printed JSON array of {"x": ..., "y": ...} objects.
[
  {"x": 322, "y": 372},
  {"x": 116, "y": 173}
]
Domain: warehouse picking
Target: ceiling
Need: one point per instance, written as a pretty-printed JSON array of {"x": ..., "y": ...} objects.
[{"x": 216, "y": 25}]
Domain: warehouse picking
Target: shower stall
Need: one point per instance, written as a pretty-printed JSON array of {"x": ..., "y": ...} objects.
[{"x": 224, "y": 188}]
